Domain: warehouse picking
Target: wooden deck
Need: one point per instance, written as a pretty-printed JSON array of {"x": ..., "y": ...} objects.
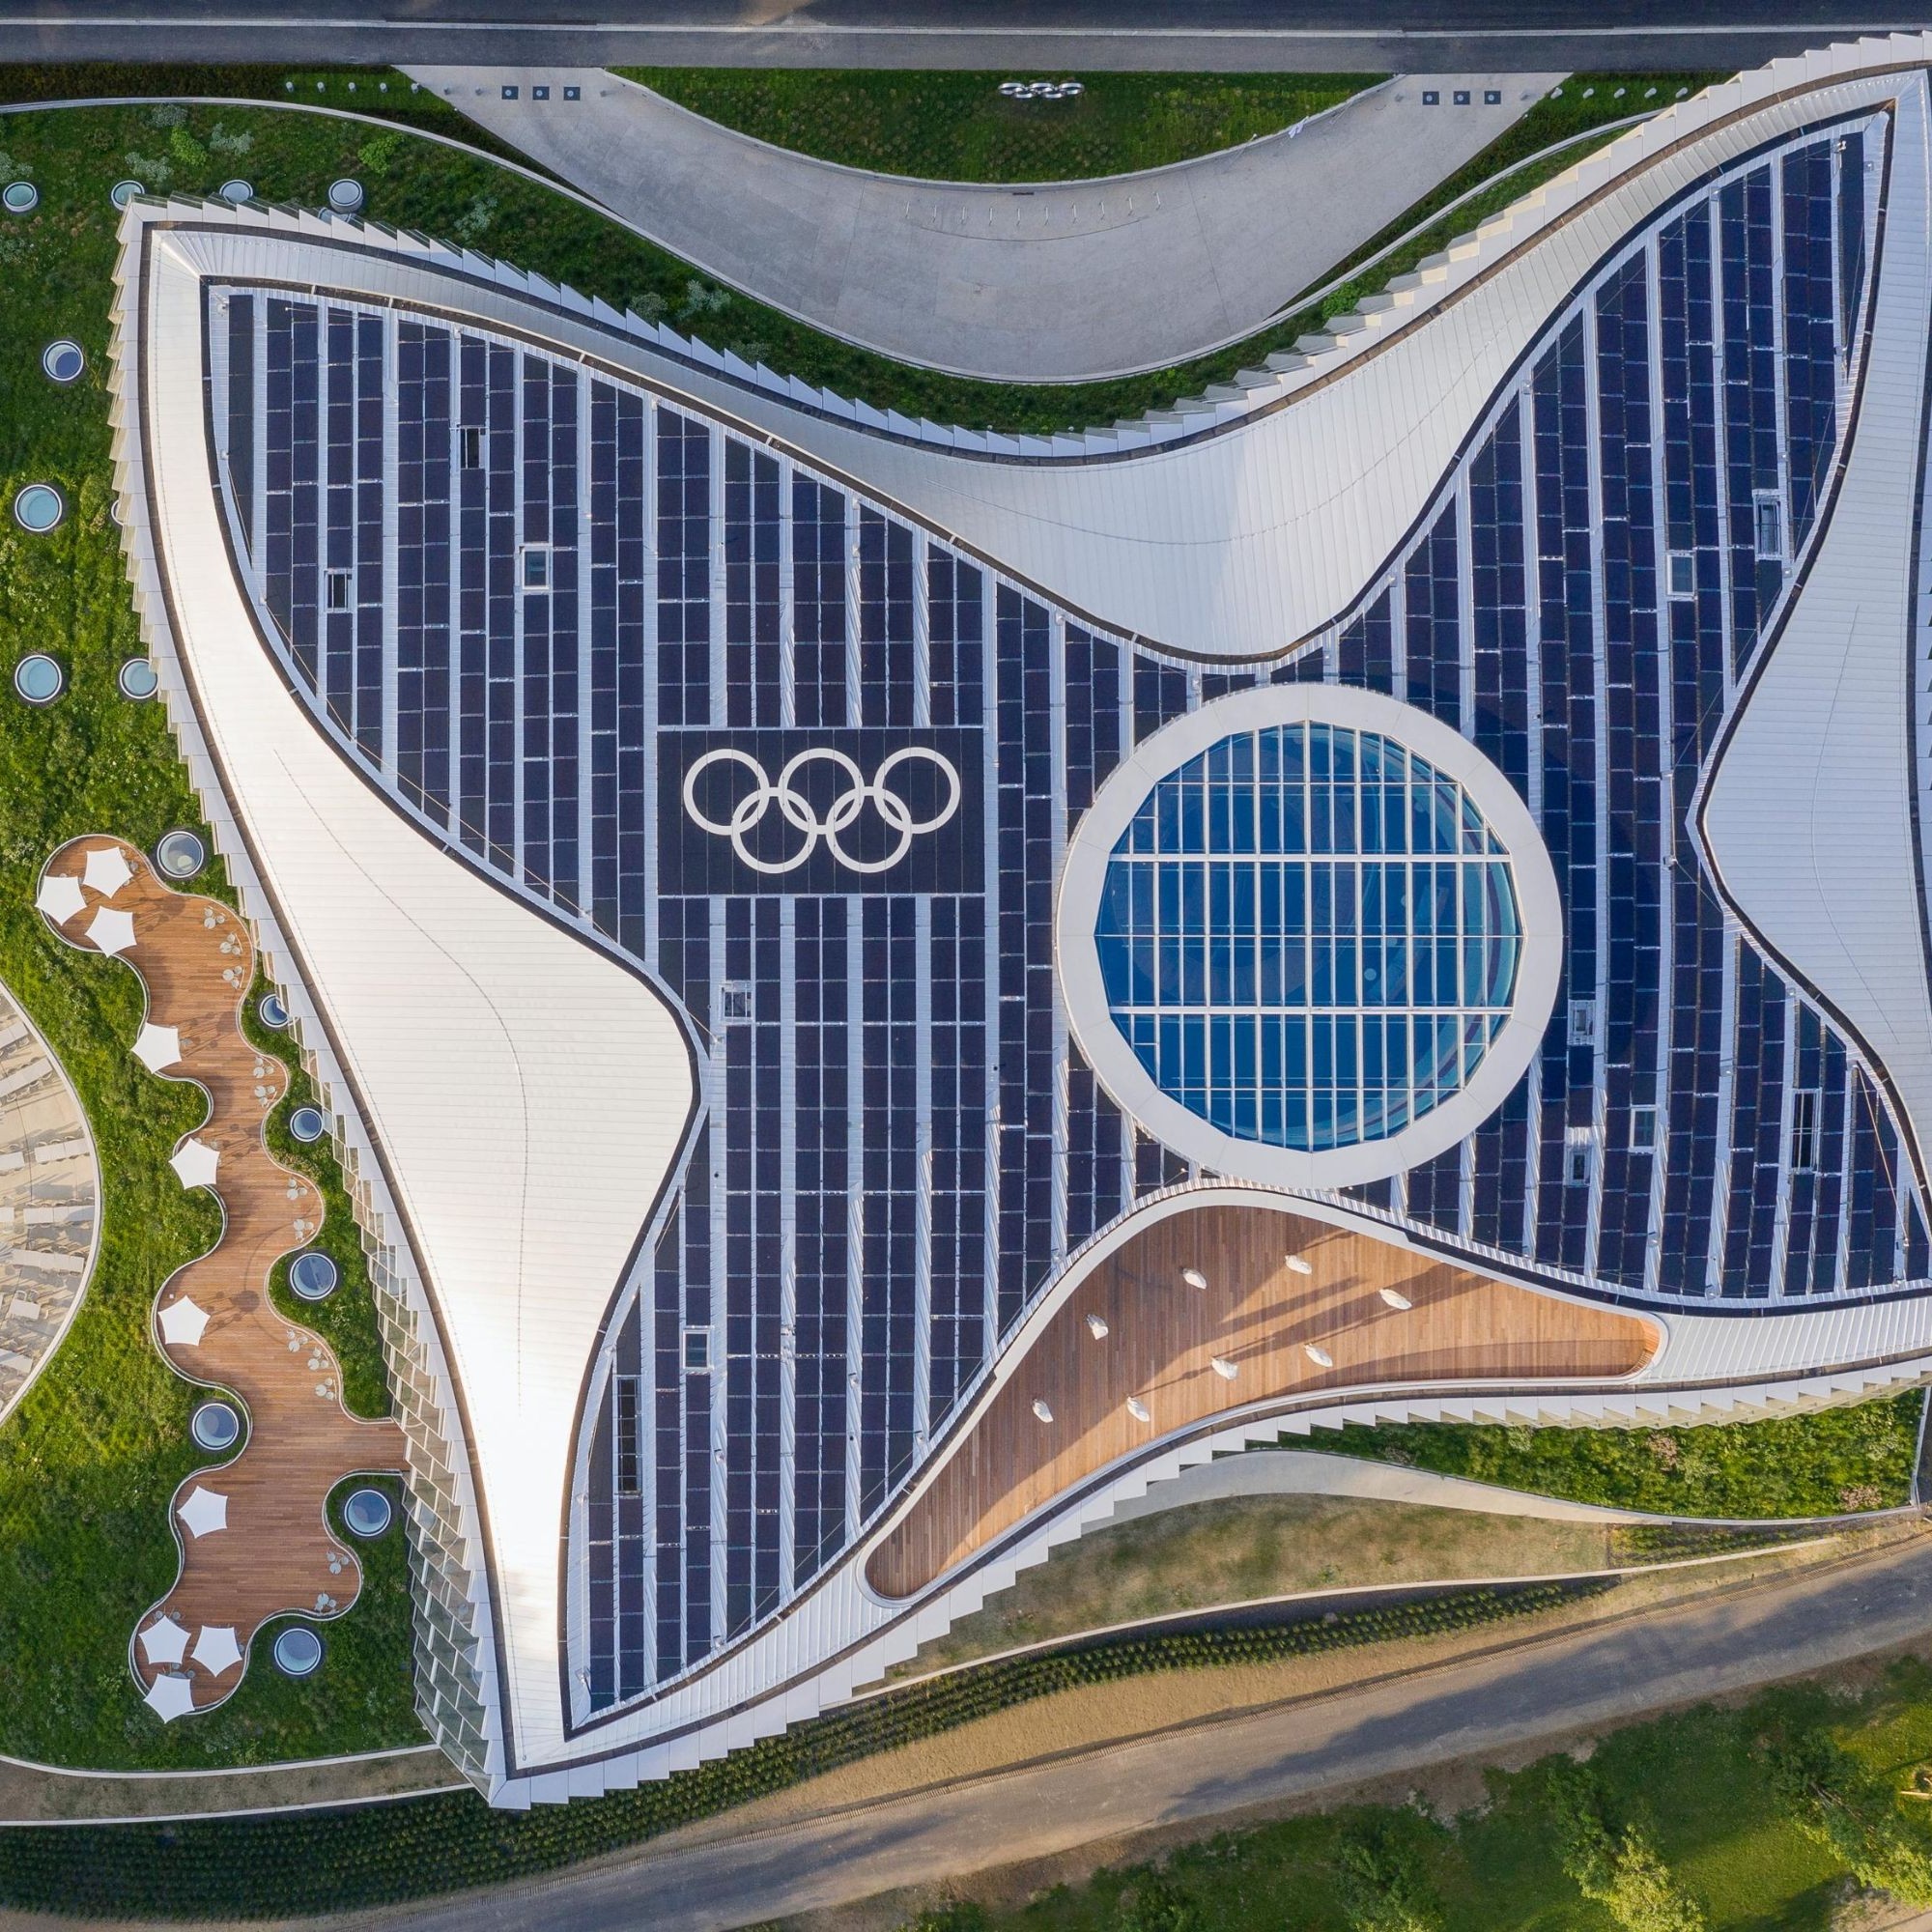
[
  {"x": 1257, "y": 1316},
  {"x": 276, "y": 1554}
]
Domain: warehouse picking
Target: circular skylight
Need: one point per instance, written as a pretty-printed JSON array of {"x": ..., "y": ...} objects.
[
  {"x": 1308, "y": 935},
  {"x": 297, "y": 1651},
  {"x": 367, "y": 1512},
  {"x": 313, "y": 1276},
  {"x": 38, "y": 678},
  {"x": 214, "y": 1426},
  {"x": 137, "y": 678},
  {"x": 38, "y": 508},
  {"x": 180, "y": 855},
  {"x": 63, "y": 360},
  {"x": 20, "y": 197}
]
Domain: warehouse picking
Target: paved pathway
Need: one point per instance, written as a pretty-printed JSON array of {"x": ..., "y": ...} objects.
[
  {"x": 1020, "y": 284},
  {"x": 1481, "y": 1705},
  {"x": 35, "y": 1793}
]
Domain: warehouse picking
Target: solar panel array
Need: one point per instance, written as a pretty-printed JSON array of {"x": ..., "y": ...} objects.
[{"x": 535, "y": 600}]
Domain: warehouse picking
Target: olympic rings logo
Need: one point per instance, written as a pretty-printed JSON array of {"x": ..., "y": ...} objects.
[{"x": 803, "y": 816}]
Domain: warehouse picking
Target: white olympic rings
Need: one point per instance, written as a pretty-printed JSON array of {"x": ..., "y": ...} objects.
[{"x": 799, "y": 813}]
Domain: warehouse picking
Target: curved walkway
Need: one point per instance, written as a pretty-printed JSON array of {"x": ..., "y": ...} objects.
[
  {"x": 254, "y": 1538},
  {"x": 1054, "y": 283}
]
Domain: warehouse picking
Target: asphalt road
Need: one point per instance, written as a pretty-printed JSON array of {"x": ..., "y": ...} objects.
[
  {"x": 1478, "y": 1706},
  {"x": 1027, "y": 34}
]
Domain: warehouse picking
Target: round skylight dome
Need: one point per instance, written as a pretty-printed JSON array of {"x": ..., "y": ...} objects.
[{"x": 1308, "y": 935}]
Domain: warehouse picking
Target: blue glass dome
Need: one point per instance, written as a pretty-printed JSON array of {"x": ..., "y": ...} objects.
[{"x": 1309, "y": 936}]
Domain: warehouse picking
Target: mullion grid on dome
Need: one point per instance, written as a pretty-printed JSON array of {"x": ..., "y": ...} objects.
[{"x": 1309, "y": 936}]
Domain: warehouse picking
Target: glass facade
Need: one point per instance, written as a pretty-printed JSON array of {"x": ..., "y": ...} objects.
[{"x": 1309, "y": 936}]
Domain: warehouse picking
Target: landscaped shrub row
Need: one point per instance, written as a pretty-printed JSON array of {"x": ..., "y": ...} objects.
[
  {"x": 338, "y": 1860},
  {"x": 1830, "y": 1462}
]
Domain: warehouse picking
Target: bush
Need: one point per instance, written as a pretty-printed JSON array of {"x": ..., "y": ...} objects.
[
  {"x": 1151, "y": 1904},
  {"x": 1383, "y": 1886},
  {"x": 1621, "y": 1870},
  {"x": 1842, "y": 1804}
]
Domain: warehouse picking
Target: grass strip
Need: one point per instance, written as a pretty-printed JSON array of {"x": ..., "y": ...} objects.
[
  {"x": 1829, "y": 1463},
  {"x": 960, "y": 128}
]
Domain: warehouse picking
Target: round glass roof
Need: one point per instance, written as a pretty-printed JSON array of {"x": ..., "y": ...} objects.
[
  {"x": 1305, "y": 930},
  {"x": 1309, "y": 936}
]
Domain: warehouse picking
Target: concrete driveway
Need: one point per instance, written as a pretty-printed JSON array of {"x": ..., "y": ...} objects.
[{"x": 1053, "y": 283}]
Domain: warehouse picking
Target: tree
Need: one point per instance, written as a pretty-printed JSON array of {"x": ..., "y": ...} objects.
[
  {"x": 1622, "y": 1870},
  {"x": 1848, "y": 1806},
  {"x": 1383, "y": 1886},
  {"x": 1151, "y": 1904}
]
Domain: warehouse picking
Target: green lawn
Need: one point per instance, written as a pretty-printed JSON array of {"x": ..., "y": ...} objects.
[
  {"x": 88, "y": 1461},
  {"x": 1825, "y": 1464},
  {"x": 958, "y": 126}
]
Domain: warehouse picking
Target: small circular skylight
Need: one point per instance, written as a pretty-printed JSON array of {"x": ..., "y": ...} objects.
[
  {"x": 345, "y": 196},
  {"x": 307, "y": 1124},
  {"x": 124, "y": 191},
  {"x": 20, "y": 197},
  {"x": 180, "y": 855},
  {"x": 367, "y": 1512},
  {"x": 214, "y": 1426},
  {"x": 297, "y": 1651},
  {"x": 313, "y": 1276},
  {"x": 272, "y": 1012},
  {"x": 137, "y": 678},
  {"x": 38, "y": 678},
  {"x": 63, "y": 360},
  {"x": 38, "y": 508},
  {"x": 237, "y": 191}
]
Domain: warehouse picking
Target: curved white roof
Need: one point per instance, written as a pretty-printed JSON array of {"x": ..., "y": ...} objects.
[{"x": 524, "y": 1092}]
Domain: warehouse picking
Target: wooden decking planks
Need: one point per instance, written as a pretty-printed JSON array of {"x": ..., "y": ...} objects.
[
  {"x": 276, "y": 1554},
  {"x": 1259, "y": 1316}
]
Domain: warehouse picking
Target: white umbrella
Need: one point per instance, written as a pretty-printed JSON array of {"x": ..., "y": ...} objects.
[
  {"x": 204, "y": 1512},
  {"x": 216, "y": 1649},
  {"x": 1194, "y": 1278},
  {"x": 111, "y": 931},
  {"x": 1040, "y": 1409},
  {"x": 1320, "y": 1357},
  {"x": 182, "y": 1324},
  {"x": 60, "y": 896},
  {"x": 1096, "y": 1327},
  {"x": 194, "y": 1161},
  {"x": 1296, "y": 1266},
  {"x": 1223, "y": 1368},
  {"x": 1139, "y": 1410},
  {"x": 1395, "y": 1300},
  {"x": 170, "y": 1698},
  {"x": 108, "y": 872},
  {"x": 157, "y": 1046},
  {"x": 164, "y": 1641}
]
